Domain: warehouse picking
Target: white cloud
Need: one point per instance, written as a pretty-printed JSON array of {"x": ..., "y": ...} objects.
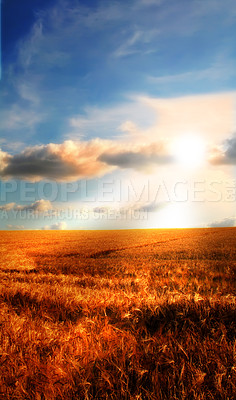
[
  {"x": 39, "y": 206},
  {"x": 17, "y": 118},
  {"x": 140, "y": 157},
  {"x": 150, "y": 119},
  {"x": 224, "y": 223},
  {"x": 4, "y": 159},
  {"x": 15, "y": 227},
  {"x": 53, "y": 40},
  {"x": 147, "y": 3},
  {"x": 219, "y": 70},
  {"x": 27, "y": 91},
  {"x": 57, "y": 226},
  {"x": 70, "y": 160},
  {"x": 66, "y": 161},
  {"x": 110, "y": 121},
  {"x": 130, "y": 128},
  {"x": 8, "y": 207},
  {"x": 209, "y": 116},
  {"x": 29, "y": 47},
  {"x": 225, "y": 154},
  {"x": 139, "y": 42},
  {"x": 152, "y": 206}
]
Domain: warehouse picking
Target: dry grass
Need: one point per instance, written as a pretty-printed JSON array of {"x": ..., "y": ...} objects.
[{"x": 118, "y": 314}]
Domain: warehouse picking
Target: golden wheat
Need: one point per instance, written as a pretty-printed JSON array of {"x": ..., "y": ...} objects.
[{"x": 137, "y": 314}]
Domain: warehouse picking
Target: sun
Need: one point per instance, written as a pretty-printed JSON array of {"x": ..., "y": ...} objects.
[{"x": 189, "y": 150}]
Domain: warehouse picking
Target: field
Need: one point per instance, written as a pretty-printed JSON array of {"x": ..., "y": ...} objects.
[{"x": 136, "y": 314}]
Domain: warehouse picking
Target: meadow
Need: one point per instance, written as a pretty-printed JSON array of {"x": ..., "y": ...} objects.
[{"x": 135, "y": 314}]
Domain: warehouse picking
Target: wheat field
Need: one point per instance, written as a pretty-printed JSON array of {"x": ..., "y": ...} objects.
[{"x": 133, "y": 314}]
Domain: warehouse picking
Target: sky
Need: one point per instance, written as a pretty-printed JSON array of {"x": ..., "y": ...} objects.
[{"x": 117, "y": 115}]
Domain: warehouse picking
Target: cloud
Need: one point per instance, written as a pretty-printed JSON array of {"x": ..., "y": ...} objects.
[
  {"x": 225, "y": 154},
  {"x": 209, "y": 116},
  {"x": 57, "y": 37},
  {"x": 143, "y": 157},
  {"x": 56, "y": 41},
  {"x": 18, "y": 117},
  {"x": 218, "y": 70},
  {"x": 39, "y": 206},
  {"x": 4, "y": 160},
  {"x": 139, "y": 42},
  {"x": 66, "y": 161},
  {"x": 147, "y": 120},
  {"x": 59, "y": 33},
  {"x": 27, "y": 92},
  {"x": 100, "y": 210},
  {"x": 7, "y": 207},
  {"x": 109, "y": 121},
  {"x": 231, "y": 149},
  {"x": 147, "y": 3},
  {"x": 19, "y": 121},
  {"x": 151, "y": 207},
  {"x": 57, "y": 226},
  {"x": 70, "y": 160},
  {"x": 15, "y": 227},
  {"x": 132, "y": 207},
  {"x": 224, "y": 223}
]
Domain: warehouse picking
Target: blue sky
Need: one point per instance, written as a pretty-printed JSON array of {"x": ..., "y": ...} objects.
[{"x": 107, "y": 90}]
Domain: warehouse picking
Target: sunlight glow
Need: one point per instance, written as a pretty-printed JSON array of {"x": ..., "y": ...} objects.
[
  {"x": 189, "y": 150},
  {"x": 175, "y": 215}
]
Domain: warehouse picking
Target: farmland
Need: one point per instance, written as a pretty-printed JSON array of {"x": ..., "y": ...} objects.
[{"x": 133, "y": 314}]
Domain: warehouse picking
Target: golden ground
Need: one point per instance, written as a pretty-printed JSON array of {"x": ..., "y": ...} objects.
[{"x": 135, "y": 314}]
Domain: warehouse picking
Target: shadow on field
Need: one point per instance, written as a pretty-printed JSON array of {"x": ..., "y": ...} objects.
[
  {"x": 201, "y": 318},
  {"x": 19, "y": 271},
  {"x": 77, "y": 264},
  {"x": 45, "y": 308},
  {"x": 182, "y": 318},
  {"x": 180, "y": 351},
  {"x": 196, "y": 254}
]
